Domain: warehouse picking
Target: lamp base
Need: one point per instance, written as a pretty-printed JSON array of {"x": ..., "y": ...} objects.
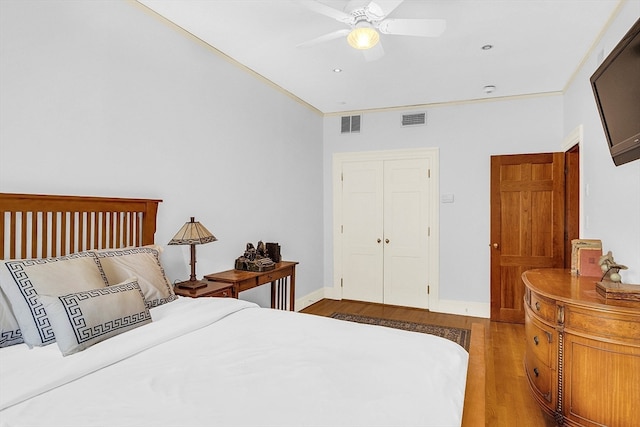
[{"x": 191, "y": 284}]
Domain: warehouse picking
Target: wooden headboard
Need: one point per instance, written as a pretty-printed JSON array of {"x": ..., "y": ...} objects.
[{"x": 40, "y": 226}]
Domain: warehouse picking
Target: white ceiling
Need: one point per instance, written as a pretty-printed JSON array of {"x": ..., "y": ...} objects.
[{"x": 537, "y": 46}]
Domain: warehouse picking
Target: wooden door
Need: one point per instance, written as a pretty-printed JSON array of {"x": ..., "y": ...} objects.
[
  {"x": 362, "y": 231},
  {"x": 406, "y": 232},
  {"x": 527, "y": 225}
]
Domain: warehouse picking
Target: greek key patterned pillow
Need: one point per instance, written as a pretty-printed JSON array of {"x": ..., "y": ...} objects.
[
  {"x": 143, "y": 263},
  {"x": 9, "y": 329},
  {"x": 23, "y": 280},
  {"x": 85, "y": 318}
]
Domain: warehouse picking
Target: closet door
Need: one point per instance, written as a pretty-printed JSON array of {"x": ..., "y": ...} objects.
[
  {"x": 406, "y": 232},
  {"x": 385, "y": 231},
  {"x": 362, "y": 231}
]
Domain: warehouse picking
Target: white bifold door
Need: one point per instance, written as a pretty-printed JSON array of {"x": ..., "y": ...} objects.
[{"x": 385, "y": 231}]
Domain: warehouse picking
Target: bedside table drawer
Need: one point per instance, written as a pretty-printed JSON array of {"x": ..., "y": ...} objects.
[
  {"x": 211, "y": 289},
  {"x": 222, "y": 293},
  {"x": 271, "y": 276}
]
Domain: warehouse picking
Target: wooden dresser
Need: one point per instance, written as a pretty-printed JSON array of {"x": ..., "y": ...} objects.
[{"x": 583, "y": 355}]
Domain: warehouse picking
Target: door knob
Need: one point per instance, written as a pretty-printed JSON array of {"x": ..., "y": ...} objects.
[
  {"x": 379, "y": 240},
  {"x": 495, "y": 245},
  {"x": 386, "y": 240}
]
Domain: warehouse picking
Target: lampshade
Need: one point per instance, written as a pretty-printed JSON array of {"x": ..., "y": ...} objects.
[
  {"x": 192, "y": 233},
  {"x": 363, "y": 37}
]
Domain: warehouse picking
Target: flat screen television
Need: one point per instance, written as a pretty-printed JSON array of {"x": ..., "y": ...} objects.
[{"x": 616, "y": 86}]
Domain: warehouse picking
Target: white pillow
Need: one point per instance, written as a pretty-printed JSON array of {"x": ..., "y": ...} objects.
[
  {"x": 143, "y": 263},
  {"x": 23, "y": 280},
  {"x": 85, "y": 318},
  {"x": 9, "y": 329}
]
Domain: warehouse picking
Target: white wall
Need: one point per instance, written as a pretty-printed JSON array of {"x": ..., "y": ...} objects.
[
  {"x": 466, "y": 135},
  {"x": 611, "y": 206},
  {"x": 105, "y": 98}
]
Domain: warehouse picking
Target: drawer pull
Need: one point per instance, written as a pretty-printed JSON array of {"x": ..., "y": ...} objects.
[
  {"x": 535, "y": 340},
  {"x": 536, "y": 372},
  {"x": 537, "y": 306}
]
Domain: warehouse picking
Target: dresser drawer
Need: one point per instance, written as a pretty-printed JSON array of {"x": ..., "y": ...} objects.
[
  {"x": 543, "y": 307},
  {"x": 617, "y": 328},
  {"x": 539, "y": 376},
  {"x": 539, "y": 339}
]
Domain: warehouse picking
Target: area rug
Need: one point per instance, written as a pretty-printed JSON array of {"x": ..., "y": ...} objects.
[{"x": 459, "y": 336}]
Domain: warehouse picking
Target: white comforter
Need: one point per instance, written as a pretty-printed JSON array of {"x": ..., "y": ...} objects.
[{"x": 224, "y": 362}]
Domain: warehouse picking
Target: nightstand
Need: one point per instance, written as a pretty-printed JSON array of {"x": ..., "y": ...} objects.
[
  {"x": 211, "y": 289},
  {"x": 282, "y": 279}
]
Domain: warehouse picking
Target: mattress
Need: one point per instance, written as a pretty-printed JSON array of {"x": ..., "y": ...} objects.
[{"x": 226, "y": 362}]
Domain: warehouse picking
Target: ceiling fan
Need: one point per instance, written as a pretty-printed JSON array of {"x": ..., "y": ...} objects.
[{"x": 366, "y": 19}]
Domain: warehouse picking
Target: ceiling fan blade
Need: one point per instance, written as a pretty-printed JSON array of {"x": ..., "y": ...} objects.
[
  {"x": 374, "y": 53},
  {"x": 355, "y": 4},
  {"x": 325, "y": 10},
  {"x": 382, "y": 8},
  {"x": 325, "y": 38},
  {"x": 413, "y": 27}
]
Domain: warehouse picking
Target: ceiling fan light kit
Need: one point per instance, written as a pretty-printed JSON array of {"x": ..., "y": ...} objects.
[
  {"x": 363, "y": 37},
  {"x": 368, "y": 21}
]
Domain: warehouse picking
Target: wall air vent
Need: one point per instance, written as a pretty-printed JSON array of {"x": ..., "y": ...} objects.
[
  {"x": 350, "y": 124},
  {"x": 416, "y": 119}
]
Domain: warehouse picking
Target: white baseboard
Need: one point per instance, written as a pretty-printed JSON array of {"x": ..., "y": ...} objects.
[
  {"x": 332, "y": 292},
  {"x": 463, "y": 308},
  {"x": 307, "y": 300}
]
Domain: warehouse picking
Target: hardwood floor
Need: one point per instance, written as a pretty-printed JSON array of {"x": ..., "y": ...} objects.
[{"x": 508, "y": 400}]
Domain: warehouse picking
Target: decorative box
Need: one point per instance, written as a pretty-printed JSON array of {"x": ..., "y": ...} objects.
[{"x": 618, "y": 291}]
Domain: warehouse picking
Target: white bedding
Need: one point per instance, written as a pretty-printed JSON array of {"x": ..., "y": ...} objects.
[{"x": 224, "y": 362}]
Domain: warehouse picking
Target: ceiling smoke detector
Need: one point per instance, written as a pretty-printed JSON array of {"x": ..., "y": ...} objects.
[{"x": 489, "y": 89}]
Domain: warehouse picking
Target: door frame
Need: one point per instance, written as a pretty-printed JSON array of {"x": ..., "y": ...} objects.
[
  {"x": 433, "y": 155},
  {"x": 572, "y": 147}
]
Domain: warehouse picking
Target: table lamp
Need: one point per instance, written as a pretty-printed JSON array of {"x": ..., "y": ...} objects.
[{"x": 192, "y": 233}]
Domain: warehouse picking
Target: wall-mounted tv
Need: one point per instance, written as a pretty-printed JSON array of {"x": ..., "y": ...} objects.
[{"x": 616, "y": 86}]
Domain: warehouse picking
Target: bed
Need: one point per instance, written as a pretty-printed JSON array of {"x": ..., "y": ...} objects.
[{"x": 118, "y": 348}]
